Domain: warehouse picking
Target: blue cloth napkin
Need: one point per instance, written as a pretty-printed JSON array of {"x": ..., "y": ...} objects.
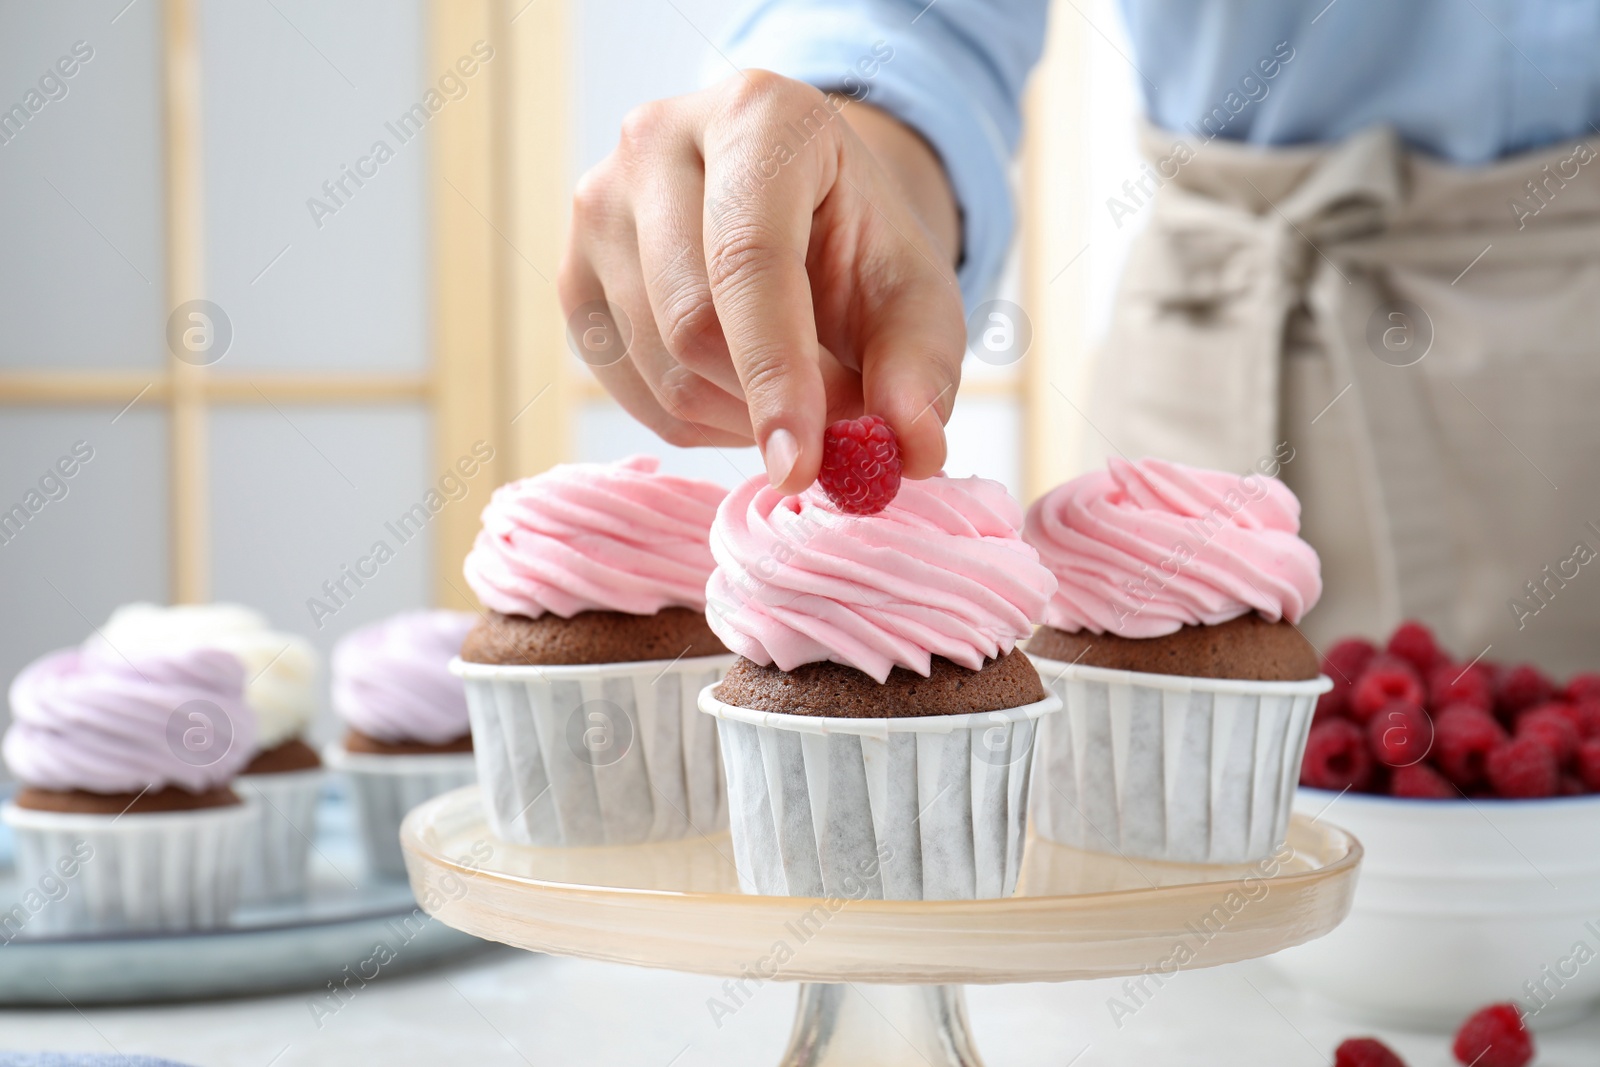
[{"x": 79, "y": 1059}]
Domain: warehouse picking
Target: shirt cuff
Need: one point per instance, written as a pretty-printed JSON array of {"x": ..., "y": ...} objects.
[{"x": 916, "y": 86}]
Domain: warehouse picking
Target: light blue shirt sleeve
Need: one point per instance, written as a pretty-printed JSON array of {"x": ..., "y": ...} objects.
[
  {"x": 1468, "y": 81},
  {"x": 954, "y": 72}
]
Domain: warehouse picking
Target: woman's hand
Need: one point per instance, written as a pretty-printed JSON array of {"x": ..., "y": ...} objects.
[{"x": 780, "y": 261}]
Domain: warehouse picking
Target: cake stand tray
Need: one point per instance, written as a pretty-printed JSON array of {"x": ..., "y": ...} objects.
[
  {"x": 301, "y": 944},
  {"x": 677, "y": 905}
]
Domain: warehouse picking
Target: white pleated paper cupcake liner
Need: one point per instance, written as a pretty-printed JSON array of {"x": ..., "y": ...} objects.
[
  {"x": 926, "y": 808},
  {"x": 125, "y": 873},
  {"x": 277, "y": 848},
  {"x": 385, "y": 788},
  {"x": 1164, "y": 767},
  {"x": 596, "y": 754}
]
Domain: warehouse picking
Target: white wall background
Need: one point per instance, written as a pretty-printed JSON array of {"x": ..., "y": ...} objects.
[{"x": 293, "y": 90}]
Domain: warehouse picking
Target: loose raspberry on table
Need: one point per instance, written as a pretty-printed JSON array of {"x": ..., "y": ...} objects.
[
  {"x": 1421, "y": 782},
  {"x": 1414, "y": 643},
  {"x": 1336, "y": 757},
  {"x": 1589, "y": 764},
  {"x": 1524, "y": 768},
  {"x": 1452, "y": 683},
  {"x": 1548, "y": 725},
  {"x": 1571, "y": 786},
  {"x": 1386, "y": 680},
  {"x": 1494, "y": 1037},
  {"x": 1463, "y": 737},
  {"x": 860, "y": 465},
  {"x": 1346, "y": 660},
  {"x": 1582, "y": 687},
  {"x": 1522, "y": 687},
  {"x": 1366, "y": 1052},
  {"x": 1400, "y": 735}
]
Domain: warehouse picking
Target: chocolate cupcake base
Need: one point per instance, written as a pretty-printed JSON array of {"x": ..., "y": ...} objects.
[
  {"x": 83, "y": 802},
  {"x": 292, "y": 755},
  {"x": 591, "y": 637},
  {"x": 173, "y": 868},
  {"x": 1164, "y": 767},
  {"x": 836, "y": 690},
  {"x": 920, "y": 807},
  {"x": 596, "y": 754},
  {"x": 386, "y": 787},
  {"x": 1248, "y": 647},
  {"x": 277, "y": 851}
]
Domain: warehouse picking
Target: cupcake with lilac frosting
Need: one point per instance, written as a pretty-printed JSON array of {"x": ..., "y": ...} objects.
[
  {"x": 127, "y": 765},
  {"x": 393, "y": 689},
  {"x": 406, "y": 736},
  {"x": 284, "y": 772}
]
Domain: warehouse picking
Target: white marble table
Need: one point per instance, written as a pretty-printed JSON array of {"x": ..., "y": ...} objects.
[{"x": 512, "y": 1008}]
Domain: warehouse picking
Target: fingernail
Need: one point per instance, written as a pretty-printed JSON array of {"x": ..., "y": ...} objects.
[{"x": 781, "y": 452}]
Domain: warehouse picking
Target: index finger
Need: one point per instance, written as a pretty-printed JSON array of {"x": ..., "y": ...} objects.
[{"x": 757, "y": 230}]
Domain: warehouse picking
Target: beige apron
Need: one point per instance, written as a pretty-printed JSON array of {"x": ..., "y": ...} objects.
[{"x": 1423, "y": 337}]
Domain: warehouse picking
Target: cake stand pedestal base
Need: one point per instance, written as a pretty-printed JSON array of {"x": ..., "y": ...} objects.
[{"x": 892, "y": 1026}]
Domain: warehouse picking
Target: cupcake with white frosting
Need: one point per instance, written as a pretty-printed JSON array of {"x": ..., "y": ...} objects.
[
  {"x": 127, "y": 765},
  {"x": 284, "y": 772},
  {"x": 407, "y": 736}
]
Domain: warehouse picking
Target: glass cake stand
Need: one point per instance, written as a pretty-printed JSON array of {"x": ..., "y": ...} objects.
[{"x": 1076, "y": 915}]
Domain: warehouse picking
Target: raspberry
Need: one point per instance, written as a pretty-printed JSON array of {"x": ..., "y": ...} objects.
[
  {"x": 1589, "y": 764},
  {"x": 1366, "y": 1052},
  {"x": 1414, "y": 643},
  {"x": 1494, "y": 1037},
  {"x": 1334, "y": 704},
  {"x": 1463, "y": 738},
  {"x": 1524, "y": 768},
  {"x": 1522, "y": 687},
  {"x": 1547, "y": 725},
  {"x": 860, "y": 465},
  {"x": 1400, "y": 735},
  {"x": 1386, "y": 680},
  {"x": 1587, "y": 714},
  {"x": 1449, "y": 683},
  {"x": 1571, "y": 786},
  {"x": 1567, "y": 711},
  {"x": 1336, "y": 757},
  {"x": 1582, "y": 687},
  {"x": 1346, "y": 660},
  {"x": 1421, "y": 782}
]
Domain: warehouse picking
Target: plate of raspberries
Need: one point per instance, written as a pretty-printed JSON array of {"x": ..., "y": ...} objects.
[{"x": 1408, "y": 719}]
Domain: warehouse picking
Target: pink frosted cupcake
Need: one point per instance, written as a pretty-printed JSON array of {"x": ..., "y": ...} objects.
[
  {"x": 1172, "y": 639},
  {"x": 126, "y": 767},
  {"x": 582, "y": 677},
  {"x": 407, "y": 738},
  {"x": 877, "y": 729}
]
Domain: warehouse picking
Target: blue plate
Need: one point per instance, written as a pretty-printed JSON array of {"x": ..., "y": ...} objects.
[{"x": 350, "y": 929}]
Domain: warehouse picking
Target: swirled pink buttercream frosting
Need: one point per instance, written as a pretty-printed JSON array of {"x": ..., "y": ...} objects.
[
  {"x": 91, "y": 720},
  {"x": 595, "y": 537},
  {"x": 942, "y": 571},
  {"x": 1146, "y": 547},
  {"x": 392, "y": 680}
]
